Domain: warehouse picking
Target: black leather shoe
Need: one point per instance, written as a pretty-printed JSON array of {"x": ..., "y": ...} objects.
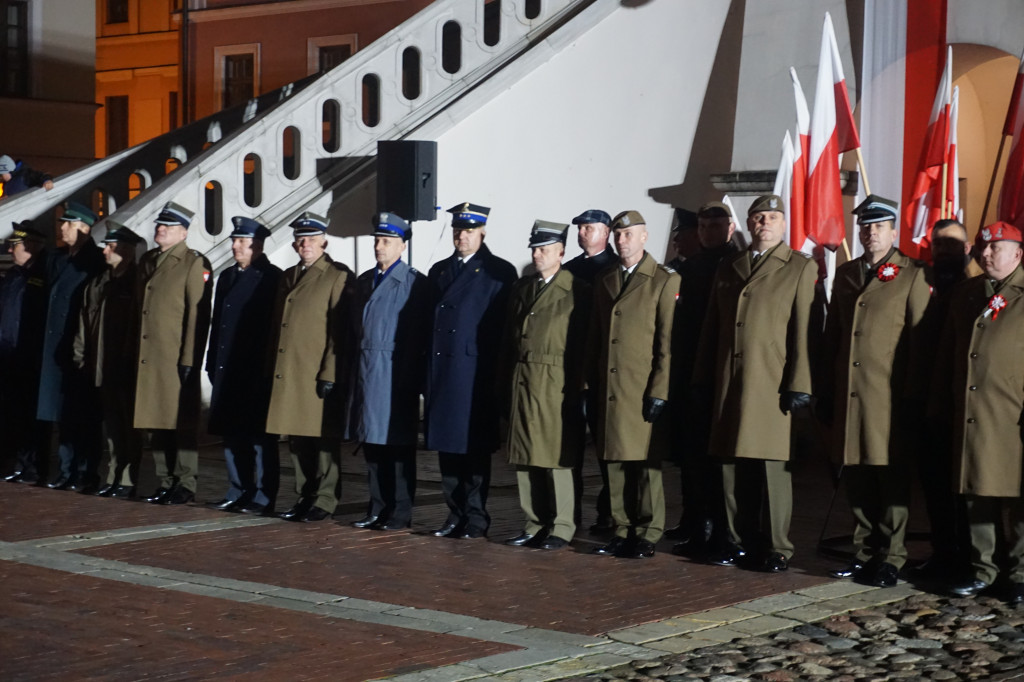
[
  {"x": 1016, "y": 596},
  {"x": 731, "y": 555},
  {"x": 849, "y": 570},
  {"x": 472, "y": 533},
  {"x": 603, "y": 525},
  {"x": 554, "y": 542},
  {"x": 297, "y": 511},
  {"x": 250, "y": 508},
  {"x": 13, "y": 477},
  {"x": 969, "y": 589},
  {"x": 391, "y": 524},
  {"x": 643, "y": 549},
  {"x": 125, "y": 492},
  {"x": 105, "y": 490},
  {"x": 178, "y": 495},
  {"x": 158, "y": 495},
  {"x": 774, "y": 563},
  {"x": 614, "y": 547},
  {"x": 31, "y": 479},
  {"x": 86, "y": 488},
  {"x": 885, "y": 575},
  {"x": 691, "y": 548},
  {"x": 315, "y": 514},
  {"x": 59, "y": 483},
  {"x": 520, "y": 540},
  {"x": 448, "y": 529},
  {"x": 365, "y": 522},
  {"x": 222, "y": 505}
]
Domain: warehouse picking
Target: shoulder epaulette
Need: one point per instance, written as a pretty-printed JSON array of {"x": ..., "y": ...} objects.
[{"x": 666, "y": 268}]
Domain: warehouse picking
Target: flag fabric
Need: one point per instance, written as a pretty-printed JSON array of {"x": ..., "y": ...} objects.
[
  {"x": 926, "y": 201},
  {"x": 797, "y": 205},
  {"x": 846, "y": 128},
  {"x": 784, "y": 182},
  {"x": 1011, "y": 195},
  {"x": 952, "y": 206},
  {"x": 824, "y": 219}
]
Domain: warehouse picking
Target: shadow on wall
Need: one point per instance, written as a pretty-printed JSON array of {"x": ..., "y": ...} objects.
[{"x": 711, "y": 151}]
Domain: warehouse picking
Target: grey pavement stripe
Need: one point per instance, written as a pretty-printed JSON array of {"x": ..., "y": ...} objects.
[{"x": 137, "y": 533}]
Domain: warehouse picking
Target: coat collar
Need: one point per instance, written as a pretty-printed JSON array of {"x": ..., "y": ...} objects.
[
  {"x": 776, "y": 257},
  {"x": 644, "y": 270},
  {"x": 450, "y": 282},
  {"x": 556, "y": 289},
  {"x": 857, "y": 275}
]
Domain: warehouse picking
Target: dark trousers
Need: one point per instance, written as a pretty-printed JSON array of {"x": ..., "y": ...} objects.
[
  {"x": 987, "y": 535},
  {"x": 32, "y": 448},
  {"x": 176, "y": 458},
  {"x": 466, "y": 480},
  {"x": 123, "y": 442},
  {"x": 391, "y": 479},
  {"x": 947, "y": 512},
  {"x": 78, "y": 450},
  {"x": 254, "y": 468},
  {"x": 879, "y": 499},
  {"x": 604, "y": 505},
  {"x": 316, "y": 463}
]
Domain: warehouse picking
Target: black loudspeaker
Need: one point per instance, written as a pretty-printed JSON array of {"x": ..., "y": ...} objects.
[{"x": 407, "y": 178}]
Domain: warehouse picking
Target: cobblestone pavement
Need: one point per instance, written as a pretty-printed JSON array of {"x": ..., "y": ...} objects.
[
  {"x": 93, "y": 588},
  {"x": 922, "y": 637}
]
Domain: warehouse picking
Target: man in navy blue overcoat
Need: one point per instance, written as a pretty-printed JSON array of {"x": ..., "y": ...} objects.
[{"x": 470, "y": 290}]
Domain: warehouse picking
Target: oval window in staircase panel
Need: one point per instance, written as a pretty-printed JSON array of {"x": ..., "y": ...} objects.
[
  {"x": 252, "y": 180},
  {"x": 451, "y": 47},
  {"x": 330, "y": 123},
  {"x": 411, "y": 73},
  {"x": 290, "y": 152}
]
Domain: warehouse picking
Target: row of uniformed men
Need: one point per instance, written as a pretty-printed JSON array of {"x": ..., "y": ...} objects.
[{"x": 753, "y": 351}]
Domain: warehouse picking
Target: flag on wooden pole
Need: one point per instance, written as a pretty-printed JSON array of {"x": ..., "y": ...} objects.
[{"x": 797, "y": 203}]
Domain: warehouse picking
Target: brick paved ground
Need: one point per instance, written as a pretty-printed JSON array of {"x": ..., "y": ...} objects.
[{"x": 97, "y": 588}]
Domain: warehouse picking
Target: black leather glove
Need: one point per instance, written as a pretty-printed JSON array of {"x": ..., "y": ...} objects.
[
  {"x": 323, "y": 389},
  {"x": 653, "y": 407},
  {"x": 184, "y": 373},
  {"x": 793, "y": 400}
]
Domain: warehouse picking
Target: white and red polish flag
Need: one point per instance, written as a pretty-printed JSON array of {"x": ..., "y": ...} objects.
[
  {"x": 1011, "y": 194},
  {"x": 926, "y": 201},
  {"x": 784, "y": 183},
  {"x": 797, "y": 202},
  {"x": 831, "y": 132},
  {"x": 952, "y": 207}
]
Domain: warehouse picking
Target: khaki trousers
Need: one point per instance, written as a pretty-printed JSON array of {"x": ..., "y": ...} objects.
[
  {"x": 548, "y": 498},
  {"x": 637, "y": 499}
]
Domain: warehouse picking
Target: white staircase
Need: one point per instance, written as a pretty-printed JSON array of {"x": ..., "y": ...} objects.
[{"x": 303, "y": 147}]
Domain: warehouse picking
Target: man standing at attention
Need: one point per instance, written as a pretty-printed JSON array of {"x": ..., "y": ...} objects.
[
  {"x": 872, "y": 343},
  {"x": 239, "y": 342},
  {"x": 469, "y": 291},
  {"x": 392, "y": 320},
  {"x": 627, "y": 370},
  {"x": 308, "y": 351},
  {"x": 542, "y": 363},
  {"x": 753, "y": 359},
  {"x": 174, "y": 290}
]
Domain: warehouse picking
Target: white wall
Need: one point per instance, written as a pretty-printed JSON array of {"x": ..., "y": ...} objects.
[{"x": 604, "y": 120}]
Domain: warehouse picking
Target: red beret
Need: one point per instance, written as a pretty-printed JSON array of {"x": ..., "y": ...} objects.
[{"x": 998, "y": 232}]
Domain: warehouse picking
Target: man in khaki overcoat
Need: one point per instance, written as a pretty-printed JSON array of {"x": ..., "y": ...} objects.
[
  {"x": 628, "y": 357},
  {"x": 981, "y": 353},
  {"x": 541, "y": 377},
  {"x": 307, "y": 359},
  {"x": 753, "y": 359},
  {"x": 872, "y": 343},
  {"x": 173, "y": 291}
]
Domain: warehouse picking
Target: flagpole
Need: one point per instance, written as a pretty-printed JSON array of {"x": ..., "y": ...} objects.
[
  {"x": 863, "y": 171},
  {"x": 945, "y": 176},
  {"x": 992, "y": 181}
]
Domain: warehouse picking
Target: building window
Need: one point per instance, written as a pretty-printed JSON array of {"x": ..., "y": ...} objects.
[
  {"x": 13, "y": 48},
  {"x": 117, "y": 11},
  {"x": 236, "y": 73},
  {"x": 117, "y": 123},
  {"x": 323, "y": 53}
]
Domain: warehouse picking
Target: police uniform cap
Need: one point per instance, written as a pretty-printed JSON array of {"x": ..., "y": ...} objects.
[
  {"x": 998, "y": 232},
  {"x": 767, "y": 202},
  {"x": 545, "y": 232},
  {"x": 74, "y": 211},
  {"x": 685, "y": 220},
  {"x": 309, "y": 225},
  {"x": 467, "y": 216},
  {"x": 119, "y": 234},
  {"x": 248, "y": 228},
  {"x": 24, "y": 232},
  {"x": 628, "y": 219},
  {"x": 714, "y": 209},
  {"x": 876, "y": 209},
  {"x": 391, "y": 225},
  {"x": 175, "y": 214},
  {"x": 7, "y": 164},
  {"x": 592, "y": 215}
]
